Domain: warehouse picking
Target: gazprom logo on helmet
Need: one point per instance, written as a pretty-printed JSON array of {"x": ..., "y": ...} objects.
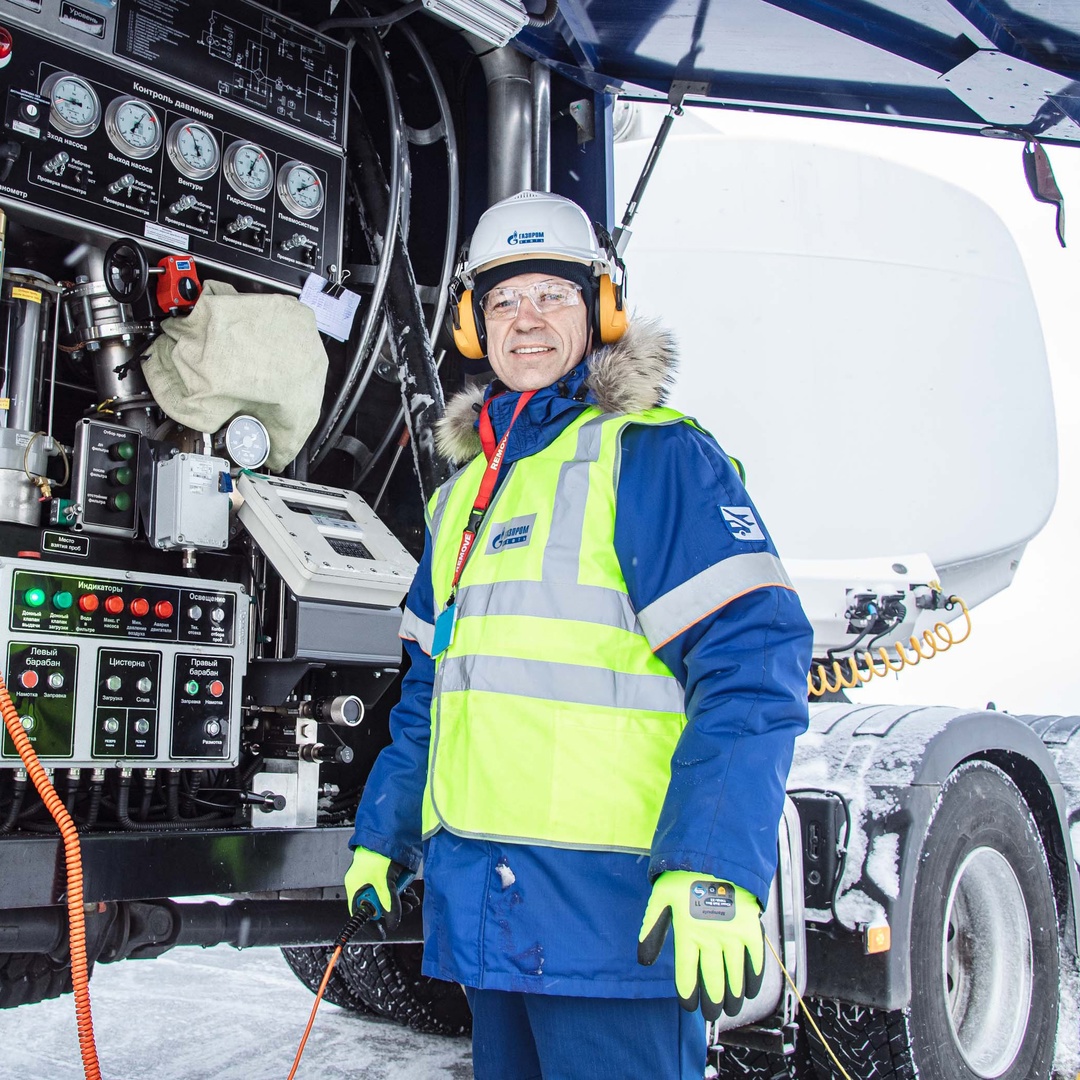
[{"x": 516, "y": 238}]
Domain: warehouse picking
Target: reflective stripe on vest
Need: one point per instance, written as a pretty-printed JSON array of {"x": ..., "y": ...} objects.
[{"x": 553, "y": 722}]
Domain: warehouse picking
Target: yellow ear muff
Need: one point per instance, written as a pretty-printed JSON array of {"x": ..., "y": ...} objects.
[
  {"x": 611, "y": 312},
  {"x": 466, "y": 335}
]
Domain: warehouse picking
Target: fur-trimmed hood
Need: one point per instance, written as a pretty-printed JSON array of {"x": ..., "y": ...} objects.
[{"x": 633, "y": 374}]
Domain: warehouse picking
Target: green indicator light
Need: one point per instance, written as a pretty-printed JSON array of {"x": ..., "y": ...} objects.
[
  {"x": 62, "y": 600},
  {"x": 122, "y": 476},
  {"x": 122, "y": 451},
  {"x": 191, "y": 688},
  {"x": 34, "y": 597},
  {"x": 120, "y": 501}
]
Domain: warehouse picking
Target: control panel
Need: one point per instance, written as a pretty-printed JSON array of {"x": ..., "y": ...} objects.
[
  {"x": 113, "y": 668},
  {"x": 104, "y": 479},
  {"x": 105, "y": 146}
]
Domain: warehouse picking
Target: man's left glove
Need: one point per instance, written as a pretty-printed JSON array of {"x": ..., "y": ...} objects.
[
  {"x": 378, "y": 880},
  {"x": 719, "y": 940}
]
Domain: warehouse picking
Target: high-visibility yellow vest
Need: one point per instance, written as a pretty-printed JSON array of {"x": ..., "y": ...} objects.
[{"x": 552, "y": 720}]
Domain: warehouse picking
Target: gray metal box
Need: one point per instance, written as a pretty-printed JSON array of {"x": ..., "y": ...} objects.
[{"x": 190, "y": 509}]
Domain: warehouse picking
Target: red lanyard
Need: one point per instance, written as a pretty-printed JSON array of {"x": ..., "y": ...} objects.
[{"x": 494, "y": 455}]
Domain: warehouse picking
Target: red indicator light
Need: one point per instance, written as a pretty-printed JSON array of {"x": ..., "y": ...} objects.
[
  {"x": 163, "y": 609},
  {"x": 29, "y": 678},
  {"x": 216, "y": 688},
  {"x": 114, "y": 605},
  {"x": 140, "y": 606},
  {"x": 5, "y": 44},
  {"x": 88, "y": 602}
]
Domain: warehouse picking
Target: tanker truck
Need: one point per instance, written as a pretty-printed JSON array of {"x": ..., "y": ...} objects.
[{"x": 228, "y": 239}]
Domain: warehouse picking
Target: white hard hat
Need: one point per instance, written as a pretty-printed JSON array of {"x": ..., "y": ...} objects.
[{"x": 533, "y": 225}]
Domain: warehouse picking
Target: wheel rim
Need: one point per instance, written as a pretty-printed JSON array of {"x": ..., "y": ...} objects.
[{"x": 986, "y": 962}]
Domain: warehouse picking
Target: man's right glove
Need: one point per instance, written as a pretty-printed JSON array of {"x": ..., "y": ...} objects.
[
  {"x": 378, "y": 880},
  {"x": 719, "y": 940}
]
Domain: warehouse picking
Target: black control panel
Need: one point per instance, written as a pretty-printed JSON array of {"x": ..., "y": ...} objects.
[
  {"x": 126, "y": 709},
  {"x": 42, "y": 681},
  {"x": 104, "y": 148},
  {"x": 201, "y": 706},
  {"x": 244, "y": 53},
  {"x": 105, "y": 478}
]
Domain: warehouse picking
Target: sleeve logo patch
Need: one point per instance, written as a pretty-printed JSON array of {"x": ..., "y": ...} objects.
[
  {"x": 515, "y": 533},
  {"x": 741, "y": 522}
]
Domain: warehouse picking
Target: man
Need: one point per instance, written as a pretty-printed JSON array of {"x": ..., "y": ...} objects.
[{"x": 608, "y": 672}]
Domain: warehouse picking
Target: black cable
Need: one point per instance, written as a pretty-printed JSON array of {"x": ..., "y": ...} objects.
[
  {"x": 371, "y": 21},
  {"x": 124, "y": 818},
  {"x": 17, "y": 796},
  {"x": 97, "y": 785}
]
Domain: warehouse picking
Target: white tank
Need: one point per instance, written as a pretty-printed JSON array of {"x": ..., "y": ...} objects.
[{"x": 863, "y": 337}]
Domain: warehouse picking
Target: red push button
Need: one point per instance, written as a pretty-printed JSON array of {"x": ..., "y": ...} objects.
[
  {"x": 140, "y": 606},
  {"x": 163, "y": 609},
  {"x": 29, "y": 678},
  {"x": 88, "y": 602},
  {"x": 216, "y": 688},
  {"x": 114, "y": 605}
]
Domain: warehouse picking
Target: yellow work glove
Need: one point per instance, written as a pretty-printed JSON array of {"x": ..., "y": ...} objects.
[
  {"x": 719, "y": 940},
  {"x": 378, "y": 880}
]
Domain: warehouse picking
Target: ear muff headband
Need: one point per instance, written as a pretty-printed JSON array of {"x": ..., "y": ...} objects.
[{"x": 467, "y": 334}]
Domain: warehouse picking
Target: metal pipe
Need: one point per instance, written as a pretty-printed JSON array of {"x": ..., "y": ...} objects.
[
  {"x": 151, "y": 927},
  {"x": 541, "y": 126},
  {"x": 510, "y": 119}
]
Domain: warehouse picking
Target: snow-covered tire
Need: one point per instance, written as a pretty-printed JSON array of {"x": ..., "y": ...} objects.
[
  {"x": 984, "y": 951},
  {"x": 26, "y": 978},
  {"x": 387, "y": 978},
  {"x": 308, "y": 963},
  {"x": 870, "y": 1043},
  {"x": 739, "y": 1063}
]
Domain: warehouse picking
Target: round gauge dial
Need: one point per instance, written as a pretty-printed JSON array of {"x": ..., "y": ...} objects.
[
  {"x": 248, "y": 169},
  {"x": 300, "y": 189},
  {"x": 133, "y": 127},
  {"x": 247, "y": 442},
  {"x": 75, "y": 106},
  {"x": 193, "y": 149}
]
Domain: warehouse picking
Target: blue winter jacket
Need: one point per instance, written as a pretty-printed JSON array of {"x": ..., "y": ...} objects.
[{"x": 521, "y": 917}]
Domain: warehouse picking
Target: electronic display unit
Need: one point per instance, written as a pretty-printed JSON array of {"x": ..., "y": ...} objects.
[{"x": 325, "y": 542}]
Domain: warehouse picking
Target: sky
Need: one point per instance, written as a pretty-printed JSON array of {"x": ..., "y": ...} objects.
[{"x": 1022, "y": 652}]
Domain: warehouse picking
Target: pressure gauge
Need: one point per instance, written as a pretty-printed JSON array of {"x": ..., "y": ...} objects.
[
  {"x": 248, "y": 169},
  {"x": 133, "y": 127},
  {"x": 75, "y": 106},
  {"x": 193, "y": 149},
  {"x": 300, "y": 189},
  {"x": 246, "y": 441}
]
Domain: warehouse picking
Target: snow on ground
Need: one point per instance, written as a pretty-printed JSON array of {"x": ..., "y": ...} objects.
[{"x": 216, "y": 1014}]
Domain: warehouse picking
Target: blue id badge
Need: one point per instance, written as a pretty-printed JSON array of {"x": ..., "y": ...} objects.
[{"x": 444, "y": 629}]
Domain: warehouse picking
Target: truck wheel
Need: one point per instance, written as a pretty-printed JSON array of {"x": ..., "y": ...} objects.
[
  {"x": 984, "y": 951},
  {"x": 26, "y": 978},
  {"x": 308, "y": 964},
  {"x": 387, "y": 978}
]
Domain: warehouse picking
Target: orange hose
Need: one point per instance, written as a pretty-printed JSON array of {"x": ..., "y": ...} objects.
[
  {"x": 80, "y": 981},
  {"x": 314, "y": 1009}
]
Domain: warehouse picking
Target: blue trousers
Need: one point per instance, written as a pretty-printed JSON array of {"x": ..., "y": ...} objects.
[{"x": 544, "y": 1037}]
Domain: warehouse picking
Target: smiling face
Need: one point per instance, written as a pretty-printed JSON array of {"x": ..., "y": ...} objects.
[{"x": 531, "y": 351}]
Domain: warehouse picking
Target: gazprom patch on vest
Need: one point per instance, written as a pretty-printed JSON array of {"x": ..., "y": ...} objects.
[
  {"x": 505, "y": 535},
  {"x": 741, "y": 522}
]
